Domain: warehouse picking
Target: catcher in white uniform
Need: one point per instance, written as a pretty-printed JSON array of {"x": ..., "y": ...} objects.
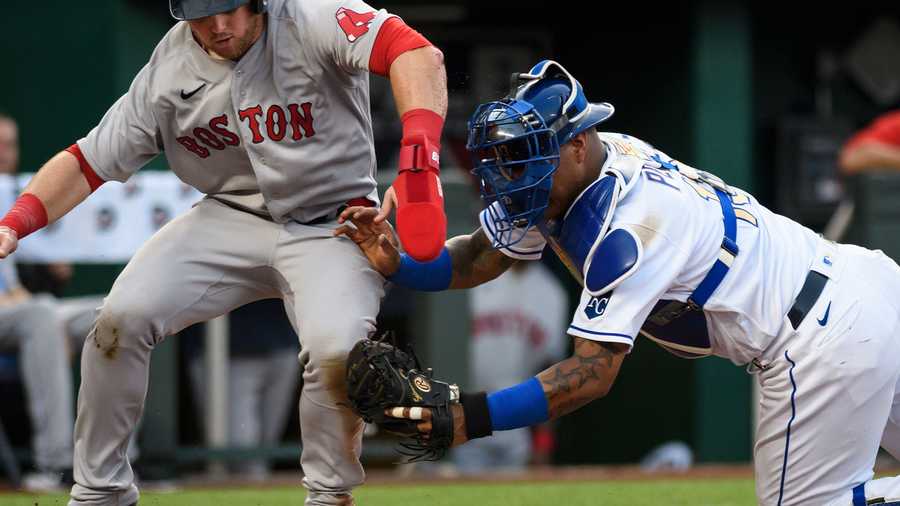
[
  {"x": 264, "y": 107},
  {"x": 673, "y": 254}
]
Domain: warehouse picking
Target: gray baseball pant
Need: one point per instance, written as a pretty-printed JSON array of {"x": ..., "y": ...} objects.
[
  {"x": 33, "y": 329},
  {"x": 203, "y": 264}
]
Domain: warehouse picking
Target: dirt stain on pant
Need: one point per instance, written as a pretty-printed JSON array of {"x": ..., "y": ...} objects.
[
  {"x": 106, "y": 338},
  {"x": 334, "y": 379}
]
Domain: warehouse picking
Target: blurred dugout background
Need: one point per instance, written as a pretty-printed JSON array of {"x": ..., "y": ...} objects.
[{"x": 762, "y": 94}]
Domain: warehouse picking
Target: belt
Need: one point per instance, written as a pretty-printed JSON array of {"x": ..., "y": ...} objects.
[
  {"x": 325, "y": 218},
  {"x": 806, "y": 299}
]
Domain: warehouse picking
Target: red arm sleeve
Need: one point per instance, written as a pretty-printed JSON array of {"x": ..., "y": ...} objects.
[
  {"x": 93, "y": 179},
  {"x": 394, "y": 38}
]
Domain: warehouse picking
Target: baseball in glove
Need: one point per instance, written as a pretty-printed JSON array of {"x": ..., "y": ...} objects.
[{"x": 388, "y": 387}]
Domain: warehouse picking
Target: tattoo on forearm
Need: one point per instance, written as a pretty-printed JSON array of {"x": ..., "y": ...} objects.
[
  {"x": 574, "y": 382},
  {"x": 475, "y": 261}
]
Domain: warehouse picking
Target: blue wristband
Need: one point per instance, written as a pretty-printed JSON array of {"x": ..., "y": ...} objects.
[
  {"x": 522, "y": 405},
  {"x": 433, "y": 276}
]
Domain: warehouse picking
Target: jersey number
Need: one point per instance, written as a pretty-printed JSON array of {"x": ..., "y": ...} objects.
[{"x": 696, "y": 179}]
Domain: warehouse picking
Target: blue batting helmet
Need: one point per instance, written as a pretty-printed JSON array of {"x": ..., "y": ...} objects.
[
  {"x": 515, "y": 143},
  {"x": 196, "y": 9}
]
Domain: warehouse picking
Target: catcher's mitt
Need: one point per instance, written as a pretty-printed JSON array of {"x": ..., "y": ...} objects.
[{"x": 381, "y": 376}]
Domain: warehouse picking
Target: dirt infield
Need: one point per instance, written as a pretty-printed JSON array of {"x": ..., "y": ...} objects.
[
  {"x": 407, "y": 475},
  {"x": 436, "y": 475},
  {"x": 573, "y": 473}
]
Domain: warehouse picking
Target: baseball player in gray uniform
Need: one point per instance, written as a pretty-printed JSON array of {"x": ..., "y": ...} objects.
[{"x": 264, "y": 107}]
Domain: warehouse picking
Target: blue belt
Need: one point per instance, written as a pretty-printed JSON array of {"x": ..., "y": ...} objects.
[{"x": 727, "y": 254}]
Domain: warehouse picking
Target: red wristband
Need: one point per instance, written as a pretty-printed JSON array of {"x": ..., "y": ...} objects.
[{"x": 27, "y": 215}]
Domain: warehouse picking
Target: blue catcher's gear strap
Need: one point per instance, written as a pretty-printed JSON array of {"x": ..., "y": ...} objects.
[
  {"x": 727, "y": 254},
  {"x": 859, "y": 495},
  {"x": 433, "y": 276},
  {"x": 518, "y": 406}
]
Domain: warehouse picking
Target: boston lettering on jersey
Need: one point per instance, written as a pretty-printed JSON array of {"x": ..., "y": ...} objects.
[
  {"x": 274, "y": 123},
  {"x": 509, "y": 323}
]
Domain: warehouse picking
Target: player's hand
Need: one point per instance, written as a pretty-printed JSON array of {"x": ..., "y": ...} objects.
[
  {"x": 9, "y": 241},
  {"x": 376, "y": 239},
  {"x": 388, "y": 204},
  {"x": 424, "y": 414}
]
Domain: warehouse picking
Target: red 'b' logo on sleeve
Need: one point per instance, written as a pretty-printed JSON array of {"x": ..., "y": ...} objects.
[{"x": 354, "y": 24}]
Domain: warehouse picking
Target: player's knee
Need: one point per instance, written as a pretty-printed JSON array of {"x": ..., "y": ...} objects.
[
  {"x": 119, "y": 325},
  {"x": 331, "y": 341},
  {"x": 325, "y": 349}
]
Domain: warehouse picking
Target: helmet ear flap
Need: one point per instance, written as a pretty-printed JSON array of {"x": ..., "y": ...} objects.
[
  {"x": 259, "y": 6},
  {"x": 516, "y": 80}
]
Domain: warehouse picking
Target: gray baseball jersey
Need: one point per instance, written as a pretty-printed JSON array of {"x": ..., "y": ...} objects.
[{"x": 286, "y": 130}]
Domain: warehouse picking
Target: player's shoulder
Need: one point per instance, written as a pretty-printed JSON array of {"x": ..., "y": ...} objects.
[
  {"x": 627, "y": 145},
  {"x": 654, "y": 193},
  {"x": 311, "y": 12},
  {"x": 172, "y": 48},
  {"x": 172, "y": 43}
]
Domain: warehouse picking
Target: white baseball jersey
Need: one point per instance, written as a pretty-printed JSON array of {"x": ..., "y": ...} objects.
[
  {"x": 679, "y": 227},
  {"x": 513, "y": 336},
  {"x": 829, "y": 388},
  {"x": 284, "y": 131}
]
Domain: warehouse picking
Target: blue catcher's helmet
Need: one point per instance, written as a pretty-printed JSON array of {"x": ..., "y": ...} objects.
[{"x": 515, "y": 143}]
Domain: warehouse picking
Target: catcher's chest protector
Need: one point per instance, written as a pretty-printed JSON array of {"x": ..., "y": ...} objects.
[{"x": 601, "y": 259}]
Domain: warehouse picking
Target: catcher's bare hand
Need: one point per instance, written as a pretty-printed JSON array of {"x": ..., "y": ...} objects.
[
  {"x": 424, "y": 415},
  {"x": 9, "y": 241},
  {"x": 376, "y": 239}
]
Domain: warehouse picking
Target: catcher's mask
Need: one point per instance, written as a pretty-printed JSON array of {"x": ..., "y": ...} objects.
[
  {"x": 514, "y": 144},
  {"x": 195, "y": 9}
]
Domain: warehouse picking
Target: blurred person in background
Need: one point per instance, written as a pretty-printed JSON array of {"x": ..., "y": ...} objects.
[
  {"x": 9, "y": 144},
  {"x": 874, "y": 147},
  {"x": 263, "y": 376},
  {"x": 36, "y": 320},
  {"x": 76, "y": 313},
  {"x": 513, "y": 338},
  {"x": 30, "y": 326}
]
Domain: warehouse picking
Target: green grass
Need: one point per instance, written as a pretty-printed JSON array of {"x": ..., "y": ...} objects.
[{"x": 606, "y": 493}]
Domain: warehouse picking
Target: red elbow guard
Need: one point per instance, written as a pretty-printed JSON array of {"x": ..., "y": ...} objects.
[{"x": 421, "y": 222}]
